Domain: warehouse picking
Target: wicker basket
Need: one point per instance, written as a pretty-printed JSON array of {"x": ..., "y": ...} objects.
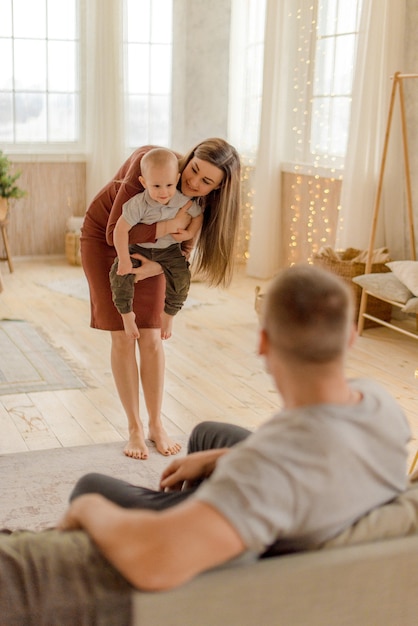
[
  {"x": 348, "y": 269},
  {"x": 72, "y": 248}
]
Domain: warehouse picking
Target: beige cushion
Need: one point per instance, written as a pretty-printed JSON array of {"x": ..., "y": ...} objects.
[
  {"x": 385, "y": 285},
  {"x": 397, "y": 518},
  {"x": 407, "y": 272},
  {"x": 411, "y": 306}
]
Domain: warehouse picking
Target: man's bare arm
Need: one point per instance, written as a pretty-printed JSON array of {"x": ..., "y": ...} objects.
[{"x": 156, "y": 550}]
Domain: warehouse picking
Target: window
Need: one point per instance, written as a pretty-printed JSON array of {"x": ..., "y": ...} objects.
[
  {"x": 39, "y": 78},
  {"x": 148, "y": 52},
  {"x": 322, "y": 52},
  {"x": 335, "y": 53},
  {"x": 246, "y": 74}
]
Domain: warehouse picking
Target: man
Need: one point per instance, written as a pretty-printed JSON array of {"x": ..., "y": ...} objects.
[{"x": 335, "y": 451}]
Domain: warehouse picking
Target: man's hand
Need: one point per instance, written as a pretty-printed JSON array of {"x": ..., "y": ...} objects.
[{"x": 189, "y": 469}]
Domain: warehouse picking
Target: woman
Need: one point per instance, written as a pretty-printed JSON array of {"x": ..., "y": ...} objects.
[{"x": 210, "y": 173}]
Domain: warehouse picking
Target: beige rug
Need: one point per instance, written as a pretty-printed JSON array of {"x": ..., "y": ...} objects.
[
  {"x": 28, "y": 362},
  {"x": 36, "y": 485}
]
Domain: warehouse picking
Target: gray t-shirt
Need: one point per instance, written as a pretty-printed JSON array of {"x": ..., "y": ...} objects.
[
  {"x": 142, "y": 209},
  {"x": 310, "y": 472}
]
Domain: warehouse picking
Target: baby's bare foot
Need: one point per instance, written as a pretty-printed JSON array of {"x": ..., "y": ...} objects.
[
  {"x": 136, "y": 447},
  {"x": 166, "y": 325},
  {"x": 164, "y": 444},
  {"x": 129, "y": 324}
]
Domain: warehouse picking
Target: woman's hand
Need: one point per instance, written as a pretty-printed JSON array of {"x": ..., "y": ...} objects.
[
  {"x": 147, "y": 269},
  {"x": 180, "y": 222}
]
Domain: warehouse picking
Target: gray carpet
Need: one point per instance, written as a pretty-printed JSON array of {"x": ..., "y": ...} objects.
[
  {"x": 36, "y": 485},
  {"x": 29, "y": 363}
]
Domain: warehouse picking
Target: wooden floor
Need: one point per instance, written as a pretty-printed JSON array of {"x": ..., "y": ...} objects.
[{"x": 212, "y": 368}]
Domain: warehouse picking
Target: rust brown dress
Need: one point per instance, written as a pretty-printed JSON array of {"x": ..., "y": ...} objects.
[{"x": 98, "y": 252}]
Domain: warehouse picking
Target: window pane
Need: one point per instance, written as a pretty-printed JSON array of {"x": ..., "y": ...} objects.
[
  {"x": 340, "y": 120},
  {"x": 62, "y": 19},
  {"x": 320, "y": 127},
  {"x": 347, "y": 17},
  {"x": 335, "y": 50},
  {"x": 62, "y": 117},
  {"x": 324, "y": 66},
  {"x": 148, "y": 69},
  {"x": 39, "y": 71},
  {"x": 345, "y": 46},
  {"x": 161, "y": 21},
  {"x": 138, "y": 20},
  {"x": 6, "y": 74},
  {"x": 327, "y": 16},
  {"x": 61, "y": 69},
  {"x": 6, "y": 18},
  {"x": 6, "y": 117},
  {"x": 138, "y": 68},
  {"x": 138, "y": 120},
  {"x": 160, "y": 69},
  {"x": 159, "y": 123},
  {"x": 246, "y": 74},
  {"x": 29, "y": 18},
  {"x": 30, "y": 75},
  {"x": 31, "y": 117}
]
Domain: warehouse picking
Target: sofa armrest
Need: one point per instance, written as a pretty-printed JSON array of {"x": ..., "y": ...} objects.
[{"x": 375, "y": 583}]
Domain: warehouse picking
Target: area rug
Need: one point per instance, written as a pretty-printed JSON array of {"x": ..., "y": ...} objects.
[
  {"x": 29, "y": 363},
  {"x": 78, "y": 288},
  {"x": 36, "y": 484}
]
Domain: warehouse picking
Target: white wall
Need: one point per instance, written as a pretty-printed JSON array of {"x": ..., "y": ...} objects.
[{"x": 200, "y": 71}]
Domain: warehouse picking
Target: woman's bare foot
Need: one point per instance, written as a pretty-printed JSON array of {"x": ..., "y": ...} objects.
[
  {"x": 164, "y": 444},
  {"x": 136, "y": 447},
  {"x": 129, "y": 324},
  {"x": 166, "y": 325}
]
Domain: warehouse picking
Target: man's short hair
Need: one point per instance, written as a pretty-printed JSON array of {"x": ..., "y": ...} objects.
[{"x": 308, "y": 314}]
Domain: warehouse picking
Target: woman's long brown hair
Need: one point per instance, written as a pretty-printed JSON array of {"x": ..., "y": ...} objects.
[{"x": 215, "y": 251}]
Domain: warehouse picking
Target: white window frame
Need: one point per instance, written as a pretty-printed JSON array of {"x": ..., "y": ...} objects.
[
  {"x": 246, "y": 76},
  {"x": 150, "y": 39},
  {"x": 57, "y": 148}
]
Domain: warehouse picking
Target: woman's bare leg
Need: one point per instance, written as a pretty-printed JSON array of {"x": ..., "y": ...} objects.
[
  {"x": 152, "y": 366},
  {"x": 125, "y": 373}
]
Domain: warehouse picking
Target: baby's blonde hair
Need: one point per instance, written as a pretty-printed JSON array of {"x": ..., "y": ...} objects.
[{"x": 158, "y": 157}]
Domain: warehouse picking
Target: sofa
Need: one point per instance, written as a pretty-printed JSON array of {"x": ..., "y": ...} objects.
[{"x": 366, "y": 576}]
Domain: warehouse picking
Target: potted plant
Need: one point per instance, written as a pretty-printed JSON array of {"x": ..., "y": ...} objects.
[{"x": 8, "y": 186}]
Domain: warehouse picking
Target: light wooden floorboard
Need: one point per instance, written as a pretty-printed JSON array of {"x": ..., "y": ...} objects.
[{"x": 212, "y": 367}]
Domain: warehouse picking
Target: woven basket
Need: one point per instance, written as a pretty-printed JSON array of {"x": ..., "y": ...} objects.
[
  {"x": 348, "y": 269},
  {"x": 72, "y": 248}
]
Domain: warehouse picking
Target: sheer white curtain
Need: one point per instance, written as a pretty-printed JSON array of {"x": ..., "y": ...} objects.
[
  {"x": 264, "y": 249},
  {"x": 104, "y": 93},
  {"x": 380, "y": 55}
]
